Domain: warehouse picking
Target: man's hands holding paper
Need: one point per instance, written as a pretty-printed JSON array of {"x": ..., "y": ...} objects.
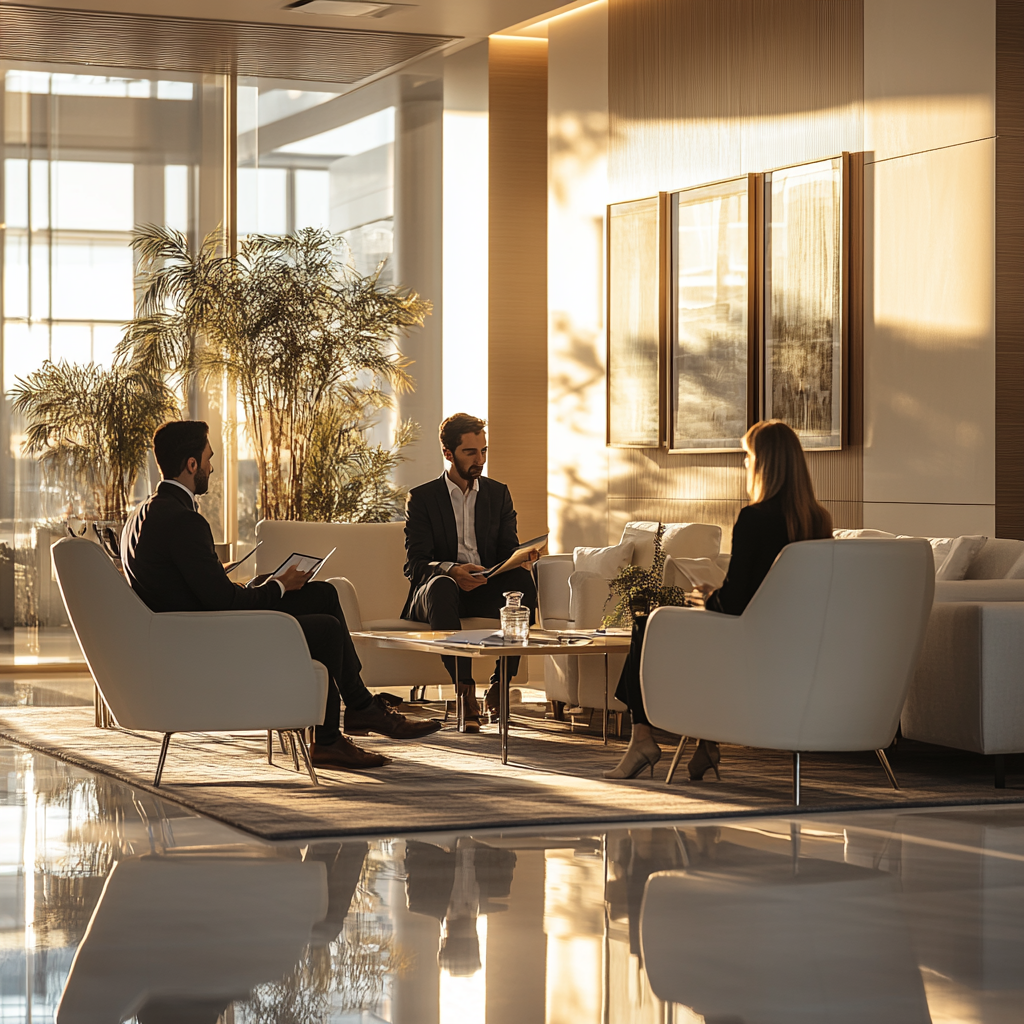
[
  {"x": 293, "y": 579},
  {"x": 468, "y": 576}
]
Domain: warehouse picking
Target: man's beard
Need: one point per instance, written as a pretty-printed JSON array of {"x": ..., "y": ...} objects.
[
  {"x": 470, "y": 473},
  {"x": 201, "y": 482}
]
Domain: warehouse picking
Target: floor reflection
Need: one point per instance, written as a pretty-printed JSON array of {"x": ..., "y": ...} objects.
[{"x": 115, "y": 905}]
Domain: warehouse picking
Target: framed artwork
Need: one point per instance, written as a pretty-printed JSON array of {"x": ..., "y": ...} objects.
[
  {"x": 634, "y": 324},
  {"x": 713, "y": 327},
  {"x": 804, "y": 300}
]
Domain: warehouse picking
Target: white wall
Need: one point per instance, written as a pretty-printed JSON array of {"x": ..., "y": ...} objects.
[
  {"x": 929, "y": 323},
  {"x": 577, "y": 198}
]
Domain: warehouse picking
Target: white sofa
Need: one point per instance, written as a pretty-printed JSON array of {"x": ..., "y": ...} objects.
[
  {"x": 968, "y": 692},
  {"x": 366, "y": 570},
  {"x": 578, "y": 599}
]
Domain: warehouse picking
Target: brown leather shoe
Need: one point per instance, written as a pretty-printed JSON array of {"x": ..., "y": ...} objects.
[
  {"x": 471, "y": 713},
  {"x": 378, "y": 717},
  {"x": 343, "y": 753}
]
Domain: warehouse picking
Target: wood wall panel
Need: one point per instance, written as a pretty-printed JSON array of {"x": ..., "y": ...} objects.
[
  {"x": 517, "y": 279},
  {"x": 703, "y": 90},
  {"x": 1009, "y": 269}
]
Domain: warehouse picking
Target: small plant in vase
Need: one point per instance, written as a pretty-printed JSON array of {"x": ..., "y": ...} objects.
[{"x": 641, "y": 590}]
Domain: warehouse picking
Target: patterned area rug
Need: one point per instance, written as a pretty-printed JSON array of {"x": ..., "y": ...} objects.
[{"x": 451, "y": 781}]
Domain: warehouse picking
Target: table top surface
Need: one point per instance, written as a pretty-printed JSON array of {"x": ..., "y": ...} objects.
[{"x": 541, "y": 642}]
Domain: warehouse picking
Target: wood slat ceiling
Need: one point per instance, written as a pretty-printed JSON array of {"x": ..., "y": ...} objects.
[{"x": 197, "y": 45}]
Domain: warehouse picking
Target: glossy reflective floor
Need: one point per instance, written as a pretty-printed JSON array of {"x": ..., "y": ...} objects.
[{"x": 117, "y": 906}]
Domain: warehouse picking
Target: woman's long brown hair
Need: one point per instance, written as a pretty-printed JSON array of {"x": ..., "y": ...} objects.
[{"x": 781, "y": 469}]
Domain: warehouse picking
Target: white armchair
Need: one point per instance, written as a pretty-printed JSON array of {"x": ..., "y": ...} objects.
[
  {"x": 579, "y": 599},
  {"x": 820, "y": 660},
  {"x": 188, "y": 671}
]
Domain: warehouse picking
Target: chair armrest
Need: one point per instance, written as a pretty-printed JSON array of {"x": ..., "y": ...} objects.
[
  {"x": 552, "y": 573},
  {"x": 349, "y": 602},
  {"x": 230, "y": 670},
  {"x": 690, "y": 666}
]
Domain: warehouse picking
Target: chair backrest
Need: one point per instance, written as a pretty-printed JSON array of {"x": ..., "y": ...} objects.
[
  {"x": 370, "y": 555},
  {"x": 110, "y": 620},
  {"x": 844, "y": 623},
  {"x": 824, "y": 653}
]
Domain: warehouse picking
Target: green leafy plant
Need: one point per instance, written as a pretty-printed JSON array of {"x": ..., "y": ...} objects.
[
  {"x": 641, "y": 590},
  {"x": 306, "y": 343},
  {"x": 92, "y": 427}
]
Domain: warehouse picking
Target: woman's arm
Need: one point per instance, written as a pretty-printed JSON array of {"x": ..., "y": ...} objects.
[{"x": 742, "y": 579}]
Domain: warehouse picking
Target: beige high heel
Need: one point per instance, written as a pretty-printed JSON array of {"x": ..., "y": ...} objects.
[{"x": 635, "y": 760}]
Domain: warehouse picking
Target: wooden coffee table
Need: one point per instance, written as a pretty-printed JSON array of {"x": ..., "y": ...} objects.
[{"x": 540, "y": 643}]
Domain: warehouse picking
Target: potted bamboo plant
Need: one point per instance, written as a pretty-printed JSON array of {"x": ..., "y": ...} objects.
[{"x": 305, "y": 342}]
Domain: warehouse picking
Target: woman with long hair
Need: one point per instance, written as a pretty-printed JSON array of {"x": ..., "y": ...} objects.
[{"x": 782, "y": 509}]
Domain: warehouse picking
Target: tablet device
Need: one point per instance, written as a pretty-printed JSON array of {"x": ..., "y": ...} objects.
[{"x": 304, "y": 563}]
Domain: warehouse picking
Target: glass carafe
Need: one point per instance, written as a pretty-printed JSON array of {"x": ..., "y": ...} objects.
[{"x": 515, "y": 618}]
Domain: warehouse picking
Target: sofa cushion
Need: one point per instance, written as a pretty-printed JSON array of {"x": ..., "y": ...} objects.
[
  {"x": 692, "y": 540},
  {"x": 642, "y": 535},
  {"x": 1016, "y": 570},
  {"x": 681, "y": 540},
  {"x": 995, "y": 560},
  {"x": 961, "y": 554},
  {"x": 606, "y": 562}
]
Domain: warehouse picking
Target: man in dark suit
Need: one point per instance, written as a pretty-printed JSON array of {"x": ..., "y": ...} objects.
[
  {"x": 454, "y": 527},
  {"x": 171, "y": 563}
]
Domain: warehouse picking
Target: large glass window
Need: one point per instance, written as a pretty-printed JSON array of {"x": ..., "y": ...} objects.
[{"x": 88, "y": 154}]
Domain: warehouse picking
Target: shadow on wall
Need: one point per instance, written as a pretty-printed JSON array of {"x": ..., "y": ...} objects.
[{"x": 576, "y": 388}]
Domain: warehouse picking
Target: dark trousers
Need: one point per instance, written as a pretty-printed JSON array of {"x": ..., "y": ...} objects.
[
  {"x": 318, "y": 611},
  {"x": 628, "y": 690},
  {"x": 443, "y": 603}
]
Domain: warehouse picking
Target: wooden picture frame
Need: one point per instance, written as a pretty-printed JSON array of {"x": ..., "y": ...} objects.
[{"x": 635, "y": 318}]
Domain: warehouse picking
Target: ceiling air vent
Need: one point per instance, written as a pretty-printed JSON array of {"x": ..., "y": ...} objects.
[{"x": 347, "y": 8}]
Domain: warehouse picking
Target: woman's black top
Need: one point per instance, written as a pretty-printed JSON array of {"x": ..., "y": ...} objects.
[{"x": 758, "y": 535}]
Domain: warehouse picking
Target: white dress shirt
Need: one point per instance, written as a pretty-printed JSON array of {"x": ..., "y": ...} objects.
[{"x": 464, "y": 507}]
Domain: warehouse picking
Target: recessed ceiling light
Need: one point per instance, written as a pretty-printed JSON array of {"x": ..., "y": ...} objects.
[{"x": 346, "y": 8}]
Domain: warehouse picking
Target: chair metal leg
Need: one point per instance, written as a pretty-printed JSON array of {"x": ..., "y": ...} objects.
[
  {"x": 1000, "y": 771},
  {"x": 270, "y": 746},
  {"x": 884, "y": 761},
  {"x": 683, "y": 740},
  {"x": 306, "y": 759},
  {"x": 163, "y": 757},
  {"x": 290, "y": 736},
  {"x": 796, "y": 777}
]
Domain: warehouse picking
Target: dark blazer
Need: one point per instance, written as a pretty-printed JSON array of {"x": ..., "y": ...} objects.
[
  {"x": 758, "y": 535},
  {"x": 171, "y": 563},
  {"x": 431, "y": 536}
]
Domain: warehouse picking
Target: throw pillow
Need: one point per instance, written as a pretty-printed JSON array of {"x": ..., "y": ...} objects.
[
  {"x": 642, "y": 535},
  {"x": 692, "y": 540},
  {"x": 1016, "y": 570},
  {"x": 606, "y": 562},
  {"x": 941, "y": 547},
  {"x": 960, "y": 556}
]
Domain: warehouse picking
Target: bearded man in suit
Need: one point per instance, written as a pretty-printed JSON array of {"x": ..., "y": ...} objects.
[
  {"x": 171, "y": 563},
  {"x": 454, "y": 527}
]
